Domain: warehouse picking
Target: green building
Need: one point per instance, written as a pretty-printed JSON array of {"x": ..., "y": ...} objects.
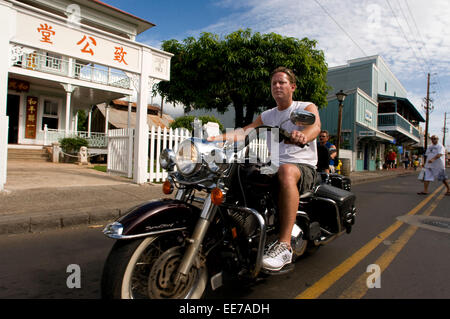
[{"x": 376, "y": 112}]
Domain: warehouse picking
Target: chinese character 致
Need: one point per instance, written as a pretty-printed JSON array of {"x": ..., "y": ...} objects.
[
  {"x": 46, "y": 32},
  {"x": 86, "y": 47},
  {"x": 119, "y": 55}
]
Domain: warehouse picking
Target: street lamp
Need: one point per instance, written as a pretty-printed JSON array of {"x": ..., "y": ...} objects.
[{"x": 340, "y": 97}]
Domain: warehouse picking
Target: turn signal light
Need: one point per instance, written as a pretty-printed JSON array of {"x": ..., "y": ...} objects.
[
  {"x": 167, "y": 187},
  {"x": 217, "y": 196}
]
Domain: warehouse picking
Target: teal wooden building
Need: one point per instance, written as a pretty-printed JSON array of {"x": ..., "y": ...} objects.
[{"x": 376, "y": 112}]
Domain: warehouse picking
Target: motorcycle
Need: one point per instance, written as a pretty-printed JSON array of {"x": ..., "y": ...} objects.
[{"x": 172, "y": 248}]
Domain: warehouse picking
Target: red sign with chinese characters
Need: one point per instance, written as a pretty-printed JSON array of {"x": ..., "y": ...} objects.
[
  {"x": 18, "y": 85},
  {"x": 30, "y": 122}
]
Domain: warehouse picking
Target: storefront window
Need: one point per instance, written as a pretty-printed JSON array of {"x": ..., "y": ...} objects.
[{"x": 360, "y": 153}]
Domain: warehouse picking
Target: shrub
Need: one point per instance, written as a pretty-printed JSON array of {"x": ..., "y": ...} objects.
[{"x": 72, "y": 144}]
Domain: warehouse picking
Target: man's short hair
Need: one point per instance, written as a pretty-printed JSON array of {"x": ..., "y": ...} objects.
[
  {"x": 291, "y": 76},
  {"x": 324, "y": 131}
]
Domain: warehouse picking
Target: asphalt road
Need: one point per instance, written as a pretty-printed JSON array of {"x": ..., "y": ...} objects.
[{"x": 412, "y": 261}]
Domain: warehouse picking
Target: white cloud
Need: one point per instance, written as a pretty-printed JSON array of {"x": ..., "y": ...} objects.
[{"x": 413, "y": 37}]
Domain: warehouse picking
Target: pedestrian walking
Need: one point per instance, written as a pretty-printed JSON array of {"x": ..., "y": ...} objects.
[{"x": 434, "y": 166}]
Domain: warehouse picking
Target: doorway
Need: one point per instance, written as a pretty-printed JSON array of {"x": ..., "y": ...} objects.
[
  {"x": 12, "y": 111},
  {"x": 366, "y": 157}
]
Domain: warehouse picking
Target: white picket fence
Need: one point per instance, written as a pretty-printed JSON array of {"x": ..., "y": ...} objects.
[
  {"x": 120, "y": 150},
  {"x": 160, "y": 139}
]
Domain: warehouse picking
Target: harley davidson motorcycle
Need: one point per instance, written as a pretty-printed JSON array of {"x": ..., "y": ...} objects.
[{"x": 174, "y": 248}]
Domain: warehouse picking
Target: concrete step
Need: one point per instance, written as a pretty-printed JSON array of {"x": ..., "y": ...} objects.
[{"x": 28, "y": 154}]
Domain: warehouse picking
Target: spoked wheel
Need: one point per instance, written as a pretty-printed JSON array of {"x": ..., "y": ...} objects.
[{"x": 146, "y": 268}]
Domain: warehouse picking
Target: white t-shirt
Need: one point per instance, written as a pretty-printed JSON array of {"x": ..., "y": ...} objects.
[
  {"x": 431, "y": 152},
  {"x": 290, "y": 153}
]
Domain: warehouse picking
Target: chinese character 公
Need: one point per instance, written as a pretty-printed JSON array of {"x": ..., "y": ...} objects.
[{"x": 85, "y": 49}]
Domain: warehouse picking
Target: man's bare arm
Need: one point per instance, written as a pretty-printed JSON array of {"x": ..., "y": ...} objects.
[{"x": 238, "y": 134}]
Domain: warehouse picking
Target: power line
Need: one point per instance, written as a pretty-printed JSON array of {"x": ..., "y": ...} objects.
[
  {"x": 430, "y": 61},
  {"x": 406, "y": 38},
  {"x": 337, "y": 23},
  {"x": 413, "y": 37}
]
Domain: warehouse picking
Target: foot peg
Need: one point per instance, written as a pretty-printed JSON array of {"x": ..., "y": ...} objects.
[{"x": 286, "y": 269}]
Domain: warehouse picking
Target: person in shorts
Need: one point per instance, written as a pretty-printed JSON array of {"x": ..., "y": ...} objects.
[
  {"x": 434, "y": 166},
  {"x": 297, "y": 169}
]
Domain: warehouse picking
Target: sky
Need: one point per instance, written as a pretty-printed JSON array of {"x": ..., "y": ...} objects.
[{"x": 412, "y": 36}]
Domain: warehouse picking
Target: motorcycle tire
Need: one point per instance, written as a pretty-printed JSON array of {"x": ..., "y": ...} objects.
[{"x": 144, "y": 269}]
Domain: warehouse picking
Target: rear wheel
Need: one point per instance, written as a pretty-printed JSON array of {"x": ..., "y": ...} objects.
[{"x": 146, "y": 268}]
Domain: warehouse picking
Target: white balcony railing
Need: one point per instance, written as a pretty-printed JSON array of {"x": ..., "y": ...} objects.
[
  {"x": 95, "y": 139},
  {"x": 49, "y": 63}
]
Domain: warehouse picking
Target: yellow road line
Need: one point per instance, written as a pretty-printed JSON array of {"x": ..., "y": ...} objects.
[
  {"x": 359, "y": 288},
  {"x": 329, "y": 279}
]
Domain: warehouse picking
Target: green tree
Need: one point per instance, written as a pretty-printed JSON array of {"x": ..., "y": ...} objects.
[{"x": 212, "y": 73}]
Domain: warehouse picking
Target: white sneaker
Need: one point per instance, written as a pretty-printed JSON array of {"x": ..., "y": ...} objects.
[{"x": 277, "y": 256}]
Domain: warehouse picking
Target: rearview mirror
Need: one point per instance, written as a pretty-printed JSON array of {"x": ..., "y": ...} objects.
[{"x": 300, "y": 118}]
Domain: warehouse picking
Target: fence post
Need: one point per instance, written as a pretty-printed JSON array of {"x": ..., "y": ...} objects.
[
  {"x": 164, "y": 146},
  {"x": 152, "y": 154},
  {"x": 130, "y": 132},
  {"x": 158, "y": 151},
  {"x": 45, "y": 134}
]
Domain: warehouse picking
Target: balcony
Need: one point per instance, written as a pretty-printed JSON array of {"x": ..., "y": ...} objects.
[
  {"x": 394, "y": 122},
  {"x": 64, "y": 66}
]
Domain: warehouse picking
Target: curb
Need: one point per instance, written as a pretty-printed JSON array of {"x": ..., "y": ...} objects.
[
  {"x": 40, "y": 222},
  {"x": 378, "y": 178}
]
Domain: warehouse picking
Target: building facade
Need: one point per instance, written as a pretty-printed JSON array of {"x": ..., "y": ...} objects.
[
  {"x": 63, "y": 56},
  {"x": 376, "y": 113}
]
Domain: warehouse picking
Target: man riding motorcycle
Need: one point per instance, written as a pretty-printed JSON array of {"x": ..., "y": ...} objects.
[{"x": 296, "y": 171}]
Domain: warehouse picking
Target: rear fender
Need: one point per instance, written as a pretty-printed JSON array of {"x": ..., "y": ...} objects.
[{"x": 153, "y": 218}]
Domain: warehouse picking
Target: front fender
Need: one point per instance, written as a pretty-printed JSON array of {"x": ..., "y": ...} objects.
[{"x": 152, "y": 218}]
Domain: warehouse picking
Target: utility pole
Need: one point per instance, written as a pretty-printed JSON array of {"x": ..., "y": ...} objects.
[
  {"x": 445, "y": 128},
  {"x": 427, "y": 108}
]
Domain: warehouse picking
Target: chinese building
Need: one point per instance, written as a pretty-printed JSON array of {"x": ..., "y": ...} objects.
[
  {"x": 376, "y": 112},
  {"x": 62, "y": 56}
]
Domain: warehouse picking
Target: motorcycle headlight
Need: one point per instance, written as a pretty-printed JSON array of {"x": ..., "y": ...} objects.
[
  {"x": 188, "y": 158},
  {"x": 167, "y": 159},
  {"x": 217, "y": 161}
]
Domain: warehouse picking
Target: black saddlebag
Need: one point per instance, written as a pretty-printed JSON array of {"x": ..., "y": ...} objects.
[
  {"x": 327, "y": 198},
  {"x": 345, "y": 200}
]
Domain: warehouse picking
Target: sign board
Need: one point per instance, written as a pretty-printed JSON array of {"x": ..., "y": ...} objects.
[
  {"x": 75, "y": 42},
  {"x": 366, "y": 133},
  {"x": 18, "y": 85},
  {"x": 30, "y": 121},
  {"x": 368, "y": 116}
]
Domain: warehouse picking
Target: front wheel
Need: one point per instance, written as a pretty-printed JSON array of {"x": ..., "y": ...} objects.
[{"x": 145, "y": 268}]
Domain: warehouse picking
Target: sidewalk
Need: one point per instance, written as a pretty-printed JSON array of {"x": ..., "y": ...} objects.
[{"x": 40, "y": 196}]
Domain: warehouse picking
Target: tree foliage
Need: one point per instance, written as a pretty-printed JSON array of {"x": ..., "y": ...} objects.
[{"x": 212, "y": 73}]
